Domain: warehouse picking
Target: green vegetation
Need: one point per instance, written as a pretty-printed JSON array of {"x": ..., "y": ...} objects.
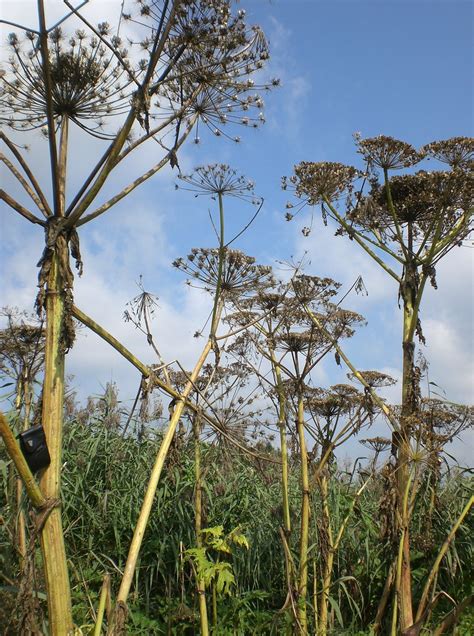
[{"x": 104, "y": 477}]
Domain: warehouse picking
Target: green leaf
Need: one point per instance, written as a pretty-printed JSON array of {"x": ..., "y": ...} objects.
[
  {"x": 337, "y": 610},
  {"x": 225, "y": 578}
]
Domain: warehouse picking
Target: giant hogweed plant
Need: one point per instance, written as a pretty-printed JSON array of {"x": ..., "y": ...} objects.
[
  {"x": 280, "y": 332},
  {"x": 197, "y": 66},
  {"x": 223, "y": 273},
  {"x": 406, "y": 224}
]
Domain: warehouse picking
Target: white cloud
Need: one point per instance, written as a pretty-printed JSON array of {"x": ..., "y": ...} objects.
[{"x": 343, "y": 260}]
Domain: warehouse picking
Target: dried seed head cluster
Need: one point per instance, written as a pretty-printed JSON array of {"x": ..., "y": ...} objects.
[
  {"x": 339, "y": 400},
  {"x": 457, "y": 152},
  {"x": 417, "y": 199},
  {"x": 341, "y": 322},
  {"x": 219, "y": 180},
  {"x": 296, "y": 341},
  {"x": 21, "y": 344},
  {"x": 309, "y": 289},
  {"x": 88, "y": 82},
  {"x": 212, "y": 53},
  {"x": 377, "y": 444},
  {"x": 240, "y": 274},
  {"x": 387, "y": 153},
  {"x": 444, "y": 420},
  {"x": 319, "y": 182},
  {"x": 375, "y": 379},
  {"x": 430, "y": 203}
]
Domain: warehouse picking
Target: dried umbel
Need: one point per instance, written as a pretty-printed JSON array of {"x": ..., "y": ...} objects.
[
  {"x": 387, "y": 153},
  {"x": 240, "y": 274},
  {"x": 375, "y": 379},
  {"x": 377, "y": 444},
  {"x": 310, "y": 289},
  {"x": 320, "y": 182},
  {"x": 296, "y": 341},
  {"x": 21, "y": 344},
  {"x": 212, "y": 53},
  {"x": 418, "y": 199},
  {"x": 457, "y": 152},
  {"x": 88, "y": 82},
  {"x": 339, "y": 400},
  {"x": 219, "y": 180},
  {"x": 341, "y": 322},
  {"x": 443, "y": 420}
]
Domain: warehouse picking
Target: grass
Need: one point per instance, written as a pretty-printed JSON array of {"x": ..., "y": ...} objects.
[{"x": 104, "y": 475}]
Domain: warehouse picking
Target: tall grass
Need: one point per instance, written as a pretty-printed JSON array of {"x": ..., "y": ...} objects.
[{"x": 104, "y": 474}]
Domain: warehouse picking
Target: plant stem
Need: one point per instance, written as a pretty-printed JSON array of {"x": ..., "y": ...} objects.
[
  {"x": 201, "y": 590},
  {"x": 214, "y": 609},
  {"x": 220, "y": 267},
  {"x": 104, "y": 592},
  {"x": 315, "y": 594},
  {"x": 304, "y": 529},
  {"x": 329, "y": 560},
  {"x": 21, "y": 525},
  {"x": 402, "y": 443},
  {"x": 439, "y": 558},
  {"x": 283, "y": 445},
  {"x": 52, "y": 539},
  {"x": 403, "y": 599},
  {"x": 377, "y": 625},
  {"x": 118, "y": 620}
]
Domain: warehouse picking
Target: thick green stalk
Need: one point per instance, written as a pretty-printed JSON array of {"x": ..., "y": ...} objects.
[
  {"x": 21, "y": 523},
  {"x": 201, "y": 590},
  {"x": 23, "y": 397},
  {"x": 283, "y": 446},
  {"x": 328, "y": 562},
  {"x": 118, "y": 621},
  {"x": 304, "y": 528},
  {"x": 403, "y": 603},
  {"x": 52, "y": 539},
  {"x": 315, "y": 594},
  {"x": 220, "y": 269},
  {"x": 408, "y": 410},
  {"x": 104, "y": 593}
]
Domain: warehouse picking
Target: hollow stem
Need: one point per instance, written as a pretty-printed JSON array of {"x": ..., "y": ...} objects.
[
  {"x": 201, "y": 590},
  {"x": 118, "y": 620},
  {"x": 304, "y": 528},
  {"x": 52, "y": 539}
]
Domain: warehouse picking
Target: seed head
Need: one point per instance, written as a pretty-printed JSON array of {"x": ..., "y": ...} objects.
[
  {"x": 378, "y": 444},
  {"x": 417, "y": 199},
  {"x": 317, "y": 182},
  {"x": 457, "y": 152},
  {"x": 387, "y": 153},
  {"x": 219, "y": 179},
  {"x": 214, "y": 56},
  {"x": 240, "y": 274},
  {"x": 88, "y": 83}
]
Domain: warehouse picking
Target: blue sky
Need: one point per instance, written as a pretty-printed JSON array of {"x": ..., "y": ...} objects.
[{"x": 399, "y": 68}]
